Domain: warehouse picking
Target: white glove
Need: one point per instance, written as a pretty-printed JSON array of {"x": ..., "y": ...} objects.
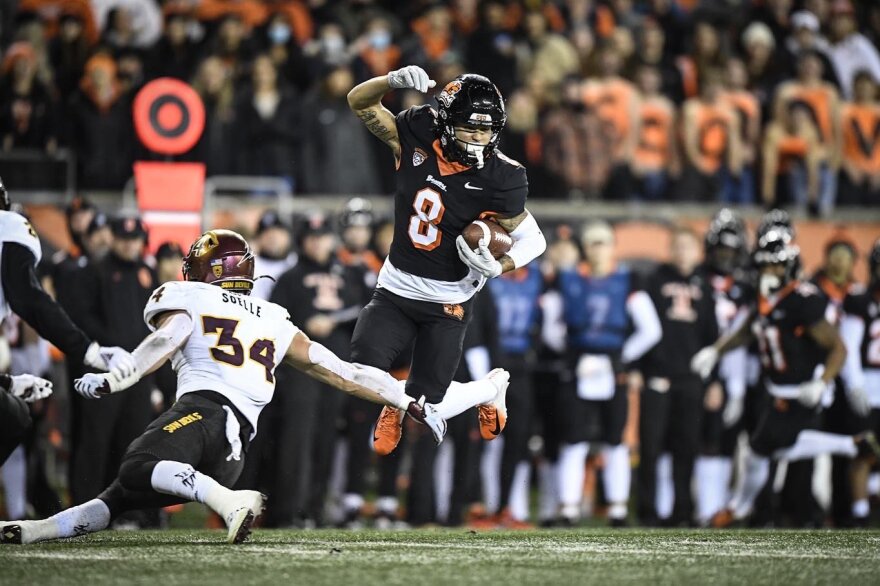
[
  {"x": 858, "y": 401},
  {"x": 480, "y": 260},
  {"x": 94, "y": 386},
  {"x": 810, "y": 392},
  {"x": 30, "y": 388},
  {"x": 733, "y": 410},
  {"x": 110, "y": 358},
  {"x": 411, "y": 77},
  {"x": 704, "y": 361}
]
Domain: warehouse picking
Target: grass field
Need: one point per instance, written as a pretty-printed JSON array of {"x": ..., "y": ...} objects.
[{"x": 452, "y": 557}]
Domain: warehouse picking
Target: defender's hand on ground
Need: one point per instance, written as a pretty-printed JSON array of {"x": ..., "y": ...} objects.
[{"x": 411, "y": 77}]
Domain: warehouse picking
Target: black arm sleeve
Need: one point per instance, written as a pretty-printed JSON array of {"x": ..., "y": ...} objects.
[{"x": 27, "y": 298}]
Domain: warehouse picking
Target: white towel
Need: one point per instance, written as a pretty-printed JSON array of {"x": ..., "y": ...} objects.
[{"x": 233, "y": 434}]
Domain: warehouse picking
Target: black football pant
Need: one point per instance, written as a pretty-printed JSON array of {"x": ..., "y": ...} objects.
[
  {"x": 669, "y": 421},
  {"x": 520, "y": 401},
  {"x": 15, "y": 421},
  {"x": 388, "y": 324}
]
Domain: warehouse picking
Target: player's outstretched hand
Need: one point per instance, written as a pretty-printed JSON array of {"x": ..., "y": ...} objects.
[
  {"x": 92, "y": 386},
  {"x": 480, "y": 260},
  {"x": 704, "y": 361},
  {"x": 30, "y": 388},
  {"x": 411, "y": 77}
]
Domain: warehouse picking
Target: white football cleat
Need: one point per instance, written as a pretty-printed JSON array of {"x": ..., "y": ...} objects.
[
  {"x": 493, "y": 415},
  {"x": 240, "y": 512}
]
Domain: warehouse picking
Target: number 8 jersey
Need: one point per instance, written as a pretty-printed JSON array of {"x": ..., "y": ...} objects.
[
  {"x": 435, "y": 200},
  {"x": 236, "y": 343}
]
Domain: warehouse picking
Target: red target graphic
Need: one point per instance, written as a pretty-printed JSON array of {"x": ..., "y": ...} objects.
[{"x": 169, "y": 116}]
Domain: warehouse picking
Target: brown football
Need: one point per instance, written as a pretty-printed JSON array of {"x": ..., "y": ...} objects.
[{"x": 499, "y": 240}]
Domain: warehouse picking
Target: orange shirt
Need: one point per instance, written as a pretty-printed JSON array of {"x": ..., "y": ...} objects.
[
  {"x": 745, "y": 104},
  {"x": 713, "y": 127},
  {"x": 860, "y": 126},
  {"x": 655, "y": 135},
  {"x": 791, "y": 148},
  {"x": 612, "y": 101},
  {"x": 819, "y": 100}
]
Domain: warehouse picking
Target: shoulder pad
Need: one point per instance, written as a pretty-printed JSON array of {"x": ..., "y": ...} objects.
[
  {"x": 172, "y": 296},
  {"x": 16, "y": 228}
]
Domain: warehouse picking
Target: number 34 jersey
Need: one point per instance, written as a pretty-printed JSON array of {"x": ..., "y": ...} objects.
[
  {"x": 435, "y": 200},
  {"x": 236, "y": 343}
]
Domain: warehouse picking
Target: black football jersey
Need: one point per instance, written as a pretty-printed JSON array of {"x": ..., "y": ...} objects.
[
  {"x": 731, "y": 296},
  {"x": 866, "y": 305},
  {"x": 436, "y": 199},
  {"x": 789, "y": 354}
]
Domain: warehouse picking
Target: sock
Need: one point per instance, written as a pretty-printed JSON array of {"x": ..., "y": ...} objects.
[
  {"x": 519, "y": 492},
  {"x": 713, "y": 482},
  {"x": 810, "y": 444},
  {"x": 88, "y": 517},
  {"x": 572, "y": 458},
  {"x": 387, "y": 505},
  {"x": 618, "y": 473},
  {"x": 548, "y": 497},
  {"x": 664, "y": 499},
  {"x": 462, "y": 396},
  {"x": 757, "y": 471},
  {"x": 861, "y": 509},
  {"x": 183, "y": 480},
  {"x": 15, "y": 483},
  {"x": 490, "y": 473}
]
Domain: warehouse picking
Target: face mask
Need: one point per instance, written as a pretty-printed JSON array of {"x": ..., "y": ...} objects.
[
  {"x": 769, "y": 284},
  {"x": 279, "y": 34},
  {"x": 473, "y": 149},
  {"x": 333, "y": 45},
  {"x": 380, "y": 40}
]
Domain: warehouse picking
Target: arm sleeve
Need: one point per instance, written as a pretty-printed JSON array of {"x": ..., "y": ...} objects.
[
  {"x": 528, "y": 242},
  {"x": 852, "y": 330},
  {"x": 647, "y": 330},
  {"x": 32, "y": 304}
]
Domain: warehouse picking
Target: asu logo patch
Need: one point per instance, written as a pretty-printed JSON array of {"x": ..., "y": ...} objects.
[
  {"x": 217, "y": 268},
  {"x": 454, "y": 310},
  {"x": 419, "y": 157},
  {"x": 205, "y": 244},
  {"x": 447, "y": 96}
]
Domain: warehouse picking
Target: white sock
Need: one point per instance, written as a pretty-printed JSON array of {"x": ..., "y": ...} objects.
[
  {"x": 811, "y": 443},
  {"x": 518, "y": 501},
  {"x": 757, "y": 471},
  {"x": 572, "y": 458},
  {"x": 490, "y": 473},
  {"x": 462, "y": 396},
  {"x": 616, "y": 479},
  {"x": 861, "y": 508},
  {"x": 15, "y": 484},
  {"x": 713, "y": 484},
  {"x": 170, "y": 477},
  {"x": 665, "y": 497},
  {"x": 548, "y": 495},
  {"x": 88, "y": 517}
]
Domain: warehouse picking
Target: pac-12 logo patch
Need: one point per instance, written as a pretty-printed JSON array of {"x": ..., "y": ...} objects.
[{"x": 419, "y": 157}]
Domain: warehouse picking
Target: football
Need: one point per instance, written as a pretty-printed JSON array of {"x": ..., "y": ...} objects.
[{"x": 499, "y": 240}]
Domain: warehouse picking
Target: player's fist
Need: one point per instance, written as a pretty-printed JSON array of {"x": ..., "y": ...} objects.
[
  {"x": 411, "y": 77},
  {"x": 112, "y": 359},
  {"x": 30, "y": 388}
]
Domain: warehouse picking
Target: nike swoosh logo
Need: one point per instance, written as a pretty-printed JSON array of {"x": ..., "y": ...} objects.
[
  {"x": 497, "y": 429},
  {"x": 469, "y": 186}
]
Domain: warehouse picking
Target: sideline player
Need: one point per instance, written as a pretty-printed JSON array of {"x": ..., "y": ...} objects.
[
  {"x": 449, "y": 173},
  {"x": 225, "y": 347},
  {"x": 801, "y": 353}
]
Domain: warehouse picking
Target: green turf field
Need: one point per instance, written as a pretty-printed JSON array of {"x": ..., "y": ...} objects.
[{"x": 452, "y": 557}]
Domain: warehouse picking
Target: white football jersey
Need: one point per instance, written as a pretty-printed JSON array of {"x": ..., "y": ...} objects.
[
  {"x": 236, "y": 343},
  {"x": 16, "y": 228}
]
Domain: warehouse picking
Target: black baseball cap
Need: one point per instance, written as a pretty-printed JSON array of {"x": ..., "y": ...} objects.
[
  {"x": 168, "y": 250},
  {"x": 100, "y": 220},
  {"x": 128, "y": 227},
  {"x": 270, "y": 219}
]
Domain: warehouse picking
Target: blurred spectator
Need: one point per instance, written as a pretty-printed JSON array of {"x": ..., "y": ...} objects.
[
  {"x": 272, "y": 244},
  {"x": 805, "y": 36},
  {"x": 521, "y": 140},
  {"x": 174, "y": 55},
  {"x": 217, "y": 147},
  {"x": 68, "y": 53},
  {"x": 128, "y": 23},
  {"x": 651, "y": 50},
  {"x": 655, "y": 157},
  {"x": 100, "y": 127},
  {"x": 268, "y": 116},
  {"x": 545, "y": 54},
  {"x": 232, "y": 43},
  {"x": 51, "y": 11},
  {"x": 824, "y": 104},
  {"x": 673, "y": 21},
  {"x": 27, "y": 111},
  {"x": 860, "y": 119},
  {"x": 169, "y": 259},
  {"x": 616, "y": 102},
  {"x": 375, "y": 51},
  {"x": 711, "y": 142},
  {"x": 774, "y": 15},
  {"x": 706, "y": 55},
  {"x": 850, "y": 51},
  {"x": 337, "y": 140},
  {"x": 436, "y": 40},
  {"x": 285, "y": 52},
  {"x": 491, "y": 49},
  {"x": 130, "y": 71},
  {"x": 792, "y": 156},
  {"x": 327, "y": 48},
  {"x": 760, "y": 61},
  {"x": 741, "y": 189},
  {"x": 250, "y": 13}
]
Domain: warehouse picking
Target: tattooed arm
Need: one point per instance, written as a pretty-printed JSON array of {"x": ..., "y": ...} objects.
[{"x": 366, "y": 101}]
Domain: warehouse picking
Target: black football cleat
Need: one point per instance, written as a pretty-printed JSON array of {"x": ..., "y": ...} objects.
[{"x": 11, "y": 534}]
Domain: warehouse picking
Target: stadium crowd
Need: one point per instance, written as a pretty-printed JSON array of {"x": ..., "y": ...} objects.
[
  {"x": 573, "y": 437},
  {"x": 743, "y": 101}
]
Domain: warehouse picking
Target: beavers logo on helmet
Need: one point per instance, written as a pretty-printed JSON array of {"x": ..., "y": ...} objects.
[{"x": 447, "y": 96}]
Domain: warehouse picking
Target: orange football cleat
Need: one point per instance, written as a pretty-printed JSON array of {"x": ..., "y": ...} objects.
[
  {"x": 389, "y": 428},
  {"x": 493, "y": 415}
]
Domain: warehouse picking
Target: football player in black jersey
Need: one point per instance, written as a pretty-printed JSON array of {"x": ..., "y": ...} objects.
[
  {"x": 801, "y": 354},
  {"x": 860, "y": 330},
  {"x": 449, "y": 173}
]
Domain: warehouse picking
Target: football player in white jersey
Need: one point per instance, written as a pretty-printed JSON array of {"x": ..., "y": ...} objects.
[
  {"x": 20, "y": 292},
  {"x": 225, "y": 347}
]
